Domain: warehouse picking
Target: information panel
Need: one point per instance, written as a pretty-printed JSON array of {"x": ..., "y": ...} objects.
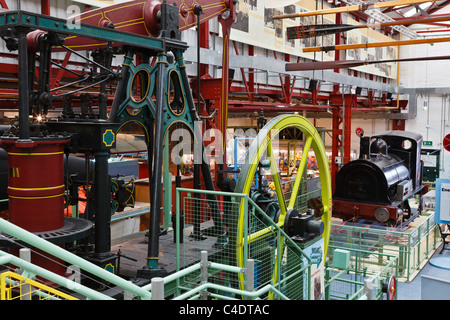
[{"x": 442, "y": 214}]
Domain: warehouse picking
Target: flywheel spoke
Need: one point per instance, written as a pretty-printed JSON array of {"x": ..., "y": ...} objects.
[
  {"x": 276, "y": 179},
  {"x": 300, "y": 172}
]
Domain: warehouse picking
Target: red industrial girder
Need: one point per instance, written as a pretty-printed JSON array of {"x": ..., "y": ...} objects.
[{"x": 141, "y": 17}]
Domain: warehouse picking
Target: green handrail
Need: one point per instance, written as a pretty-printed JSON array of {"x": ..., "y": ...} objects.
[
  {"x": 253, "y": 294},
  {"x": 62, "y": 281},
  {"x": 67, "y": 256}
]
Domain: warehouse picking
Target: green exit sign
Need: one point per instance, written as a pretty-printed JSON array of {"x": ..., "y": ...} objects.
[{"x": 428, "y": 143}]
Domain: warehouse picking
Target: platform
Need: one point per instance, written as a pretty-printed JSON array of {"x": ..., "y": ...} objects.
[{"x": 135, "y": 246}]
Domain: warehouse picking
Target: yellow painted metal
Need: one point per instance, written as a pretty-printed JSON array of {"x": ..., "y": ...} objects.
[
  {"x": 301, "y": 168},
  {"x": 263, "y": 143},
  {"x": 27, "y": 288},
  {"x": 276, "y": 178}
]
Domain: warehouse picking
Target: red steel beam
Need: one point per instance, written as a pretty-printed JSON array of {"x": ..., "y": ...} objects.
[
  {"x": 250, "y": 94},
  {"x": 251, "y": 75},
  {"x": 45, "y": 7},
  {"x": 204, "y": 43}
]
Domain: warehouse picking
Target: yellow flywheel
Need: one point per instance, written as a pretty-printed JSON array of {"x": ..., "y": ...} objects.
[{"x": 262, "y": 148}]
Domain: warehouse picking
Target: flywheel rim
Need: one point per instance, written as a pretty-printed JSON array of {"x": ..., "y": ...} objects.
[{"x": 248, "y": 171}]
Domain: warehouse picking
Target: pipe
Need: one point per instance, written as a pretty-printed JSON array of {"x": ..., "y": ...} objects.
[
  {"x": 24, "y": 96},
  {"x": 102, "y": 206},
  {"x": 65, "y": 255},
  {"x": 254, "y": 294}
]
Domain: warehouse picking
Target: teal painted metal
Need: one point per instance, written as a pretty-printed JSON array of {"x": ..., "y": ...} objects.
[
  {"x": 139, "y": 106},
  {"x": 177, "y": 102},
  {"x": 167, "y": 185},
  {"x": 47, "y": 23}
]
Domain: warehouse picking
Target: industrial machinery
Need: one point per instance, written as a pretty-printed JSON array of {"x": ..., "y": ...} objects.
[
  {"x": 376, "y": 187},
  {"x": 152, "y": 90},
  {"x": 304, "y": 227}
]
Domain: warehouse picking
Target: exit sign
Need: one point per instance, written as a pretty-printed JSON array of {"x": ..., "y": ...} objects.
[{"x": 428, "y": 143}]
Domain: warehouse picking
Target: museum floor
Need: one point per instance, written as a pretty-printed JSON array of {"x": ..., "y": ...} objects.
[{"x": 413, "y": 290}]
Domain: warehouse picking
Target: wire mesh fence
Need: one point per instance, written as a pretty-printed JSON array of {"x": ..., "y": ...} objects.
[
  {"x": 366, "y": 276},
  {"x": 233, "y": 230},
  {"x": 412, "y": 245}
]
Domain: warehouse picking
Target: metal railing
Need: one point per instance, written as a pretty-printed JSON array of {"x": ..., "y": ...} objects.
[
  {"x": 51, "y": 249},
  {"x": 278, "y": 261},
  {"x": 273, "y": 266},
  {"x": 14, "y": 286},
  {"x": 363, "y": 279},
  {"x": 412, "y": 246}
]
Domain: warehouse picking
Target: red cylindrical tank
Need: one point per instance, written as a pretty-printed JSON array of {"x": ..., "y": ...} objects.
[
  {"x": 36, "y": 184},
  {"x": 36, "y": 190}
]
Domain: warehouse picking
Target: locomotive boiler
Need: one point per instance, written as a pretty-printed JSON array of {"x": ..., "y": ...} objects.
[{"x": 377, "y": 186}]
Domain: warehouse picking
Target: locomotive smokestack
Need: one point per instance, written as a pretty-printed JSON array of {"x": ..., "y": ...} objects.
[{"x": 364, "y": 148}]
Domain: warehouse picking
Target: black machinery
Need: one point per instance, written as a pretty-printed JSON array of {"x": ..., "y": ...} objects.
[{"x": 376, "y": 187}]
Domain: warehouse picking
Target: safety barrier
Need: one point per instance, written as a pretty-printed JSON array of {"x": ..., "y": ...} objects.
[
  {"x": 365, "y": 277},
  {"x": 412, "y": 246},
  {"x": 278, "y": 261},
  {"x": 268, "y": 265},
  {"x": 13, "y": 286}
]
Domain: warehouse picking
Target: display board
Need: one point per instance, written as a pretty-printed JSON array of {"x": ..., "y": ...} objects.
[
  {"x": 442, "y": 214},
  {"x": 255, "y": 26}
]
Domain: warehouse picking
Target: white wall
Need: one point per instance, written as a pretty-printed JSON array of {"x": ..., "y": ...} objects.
[
  {"x": 432, "y": 122},
  {"x": 431, "y": 80}
]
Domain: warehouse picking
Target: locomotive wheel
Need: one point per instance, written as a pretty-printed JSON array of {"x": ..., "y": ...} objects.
[{"x": 256, "y": 152}]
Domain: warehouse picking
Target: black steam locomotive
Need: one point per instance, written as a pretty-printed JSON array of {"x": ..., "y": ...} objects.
[{"x": 376, "y": 187}]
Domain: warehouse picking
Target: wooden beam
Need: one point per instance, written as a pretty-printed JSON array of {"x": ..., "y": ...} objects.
[
  {"x": 350, "y": 8},
  {"x": 376, "y": 44}
]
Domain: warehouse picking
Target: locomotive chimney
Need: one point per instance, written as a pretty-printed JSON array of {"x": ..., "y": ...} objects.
[{"x": 364, "y": 148}]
